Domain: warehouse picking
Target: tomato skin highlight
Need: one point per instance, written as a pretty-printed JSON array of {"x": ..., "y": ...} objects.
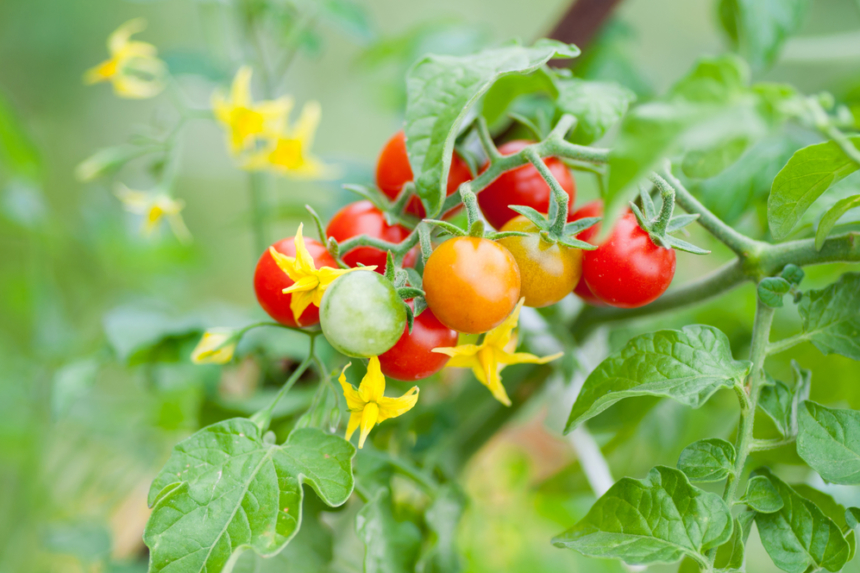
[
  {"x": 393, "y": 172},
  {"x": 548, "y": 272},
  {"x": 270, "y": 281},
  {"x": 628, "y": 270},
  {"x": 363, "y": 218},
  {"x": 522, "y": 186},
  {"x": 471, "y": 284},
  {"x": 411, "y": 358},
  {"x": 590, "y": 209},
  {"x": 361, "y": 314}
]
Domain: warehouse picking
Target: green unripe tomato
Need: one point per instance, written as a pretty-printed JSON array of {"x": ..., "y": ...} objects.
[{"x": 361, "y": 314}]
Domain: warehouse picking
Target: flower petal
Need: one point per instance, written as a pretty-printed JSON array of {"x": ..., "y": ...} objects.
[
  {"x": 372, "y": 388},
  {"x": 240, "y": 91},
  {"x": 354, "y": 421},
  {"x": 369, "y": 418},
  {"x": 501, "y": 335},
  {"x": 286, "y": 264},
  {"x": 526, "y": 358},
  {"x": 353, "y": 398},
  {"x": 307, "y": 123},
  {"x": 393, "y": 407},
  {"x": 304, "y": 260},
  {"x": 492, "y": 380},
  {"x": 299, "y": 302},
  {"x": 215, "y": 347},
  {"x": 120, "y": 37}
]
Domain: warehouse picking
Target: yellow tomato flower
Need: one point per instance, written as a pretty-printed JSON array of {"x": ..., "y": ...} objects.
[
  {"x": 154, "y": 207},
  {"x": 133, "y": 68},
  {"x": 216, "y": 347},
  {"x": 288, "y": 150},
  {"x": 497, "y": 351},
  {"x": 310, "y": 282},
  {"x": 368, "y": 406},
  {"x": 244, "y": 119}
]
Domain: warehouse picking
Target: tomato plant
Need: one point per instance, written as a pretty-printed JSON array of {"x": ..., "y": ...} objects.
[
  {"x": 730, "y": 368},
  {"x": 393, "y": 172},
  {"x": 458, "y": 286},
  {"x": 523, "y": 186},
  {"x": 363, "y": 218}
]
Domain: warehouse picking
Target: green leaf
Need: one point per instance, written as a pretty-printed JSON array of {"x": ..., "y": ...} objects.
[
  {"x": 597, "y": 106},
  {"x": 703, "y": 109},
  {"x": 19, "y": 156},
  {"x": 776, "y": 400},
  {"x": 758, "y": 28},
  {"x": 391, "y": 546},
  {"x": 707, "y": 460},
  {"x": 225, "y": 488},
  {"x": 831, "y": 317},
  {"x": 808, "y": 174},
  {"x": 852, "y": 517},
  {"x": 829, "y": 441},
  {"x": 730, "y": 555},
  {"x": 143, "y": 333},
  {"x": 799, "y": 536},
  {"x": 687, "y": 365},
  {"x": 442, "y": 518},
  {"x": 508, "y": 88},
  {"x": 762, "y": 496},
  {"x": 831, "y": 509},
  {"x": 656, "y": 520},
  {"x": 772, "y": 289},
  {"x": 793, "y": 274},
  {"x": 829, "y": 219},
  {"x": 440, "y": 93},
  {"x": 706, "y": 163}
]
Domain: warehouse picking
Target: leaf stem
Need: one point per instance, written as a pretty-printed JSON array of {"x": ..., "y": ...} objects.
[
  {"x": 487, "y": 140},
  {"x": 264, "y": 417},
  {"x": 762, "y": 445},
  {"x": 847, "y": 147},
  {"x": 786, "y": 343},
  {"x": 559, "y": 200}
]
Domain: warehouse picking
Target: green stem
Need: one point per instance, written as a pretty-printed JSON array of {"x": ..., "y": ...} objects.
[
  {"x": 786, "y": 343},
  {"x": 264, "y": 417},
  {"x": 843, "y": 142},
  {"x": 487, "y": 140},
  {"x": 257, "y": 187},
  {"x": 762, "y": 445},
  {"x": 558, "y": 203}
]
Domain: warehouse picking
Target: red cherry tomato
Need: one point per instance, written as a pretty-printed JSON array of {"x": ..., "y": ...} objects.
[
  {"x": 411, "y": 358},
  {"x": 270, "y": 281},
  {"x": 393, "y": 172},
  {"x": 522, "y": 186},
  {"x": 362, "y": 218},
  {"x": 590, "y": 209},
  {"x": 628, "y": 270}
]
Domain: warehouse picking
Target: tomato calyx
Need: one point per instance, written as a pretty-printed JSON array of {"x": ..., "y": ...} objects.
[
  {"x": 403, "y": 279},
  {"x": 658, "y": 225}
]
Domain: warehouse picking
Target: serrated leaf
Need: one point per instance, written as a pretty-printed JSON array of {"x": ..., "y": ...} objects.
[
  {"x": 504, "y": 91},
  {"x": 597, "y": 106},
  {"x": 829, "y": 219},
  {"x": 224, "y": 489},
  {"x": 761, "y": 495},
  {"x": 831, "y": 509},
  {"x": 809, "y": 173},
  {"x": 707, "y": 460},
  {"x": 687, "y": 365},
  {"x": 799, "y": 536},
  {"x": 659, "y": 519},
  {"x": 758, "y": 28},
  {"x": 772, "y": 290},
  {"x": 706, "y": 163},
  {"x": 831, "y": 317},
  {"x": 390, "y": 546},
  {"x": 829, "y": 441},
  {"x": 440, "y": 93}
]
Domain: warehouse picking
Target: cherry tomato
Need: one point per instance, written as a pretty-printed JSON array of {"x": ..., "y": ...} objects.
[
  {"x": 362, "y": 218},
  {"x": 590, "y": 209},
  {"x": 628, "y": 270},
  {"x": 471, "y": 284},
  {"x": 393, "y": 172},
  {"x": 411, "y": 358},
  {"x": 361, "y": 314},
  {"x": 522, "y": 186},
  {"x": 548, "y": 271},
  {"x": 270, "y": 280}
]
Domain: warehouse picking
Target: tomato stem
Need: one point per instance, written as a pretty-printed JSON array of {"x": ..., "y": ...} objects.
[{"x": 558, "y": 199}]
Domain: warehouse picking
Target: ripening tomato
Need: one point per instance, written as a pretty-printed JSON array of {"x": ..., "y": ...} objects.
[
  {"x": 361, "y": 314},
  {"x": 411, "y": 358},
  {"x": 471, "y": 284},
  {"x": 270, "y": 281},
  {"x": 522, "y": 186},
  {"x": 548, "y": 271},
  {"x": 393, "y": 172},
  {"x": 590, "y": 209},
  {"x": 362, "y": 218},
  {"x": 628, "y": 270}
]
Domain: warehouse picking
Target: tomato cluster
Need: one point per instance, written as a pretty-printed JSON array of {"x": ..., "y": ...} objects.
[{"x": 471, "y": 283}]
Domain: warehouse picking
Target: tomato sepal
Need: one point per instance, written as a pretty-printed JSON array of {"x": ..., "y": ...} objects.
[{"x": 449, "y": 228}]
